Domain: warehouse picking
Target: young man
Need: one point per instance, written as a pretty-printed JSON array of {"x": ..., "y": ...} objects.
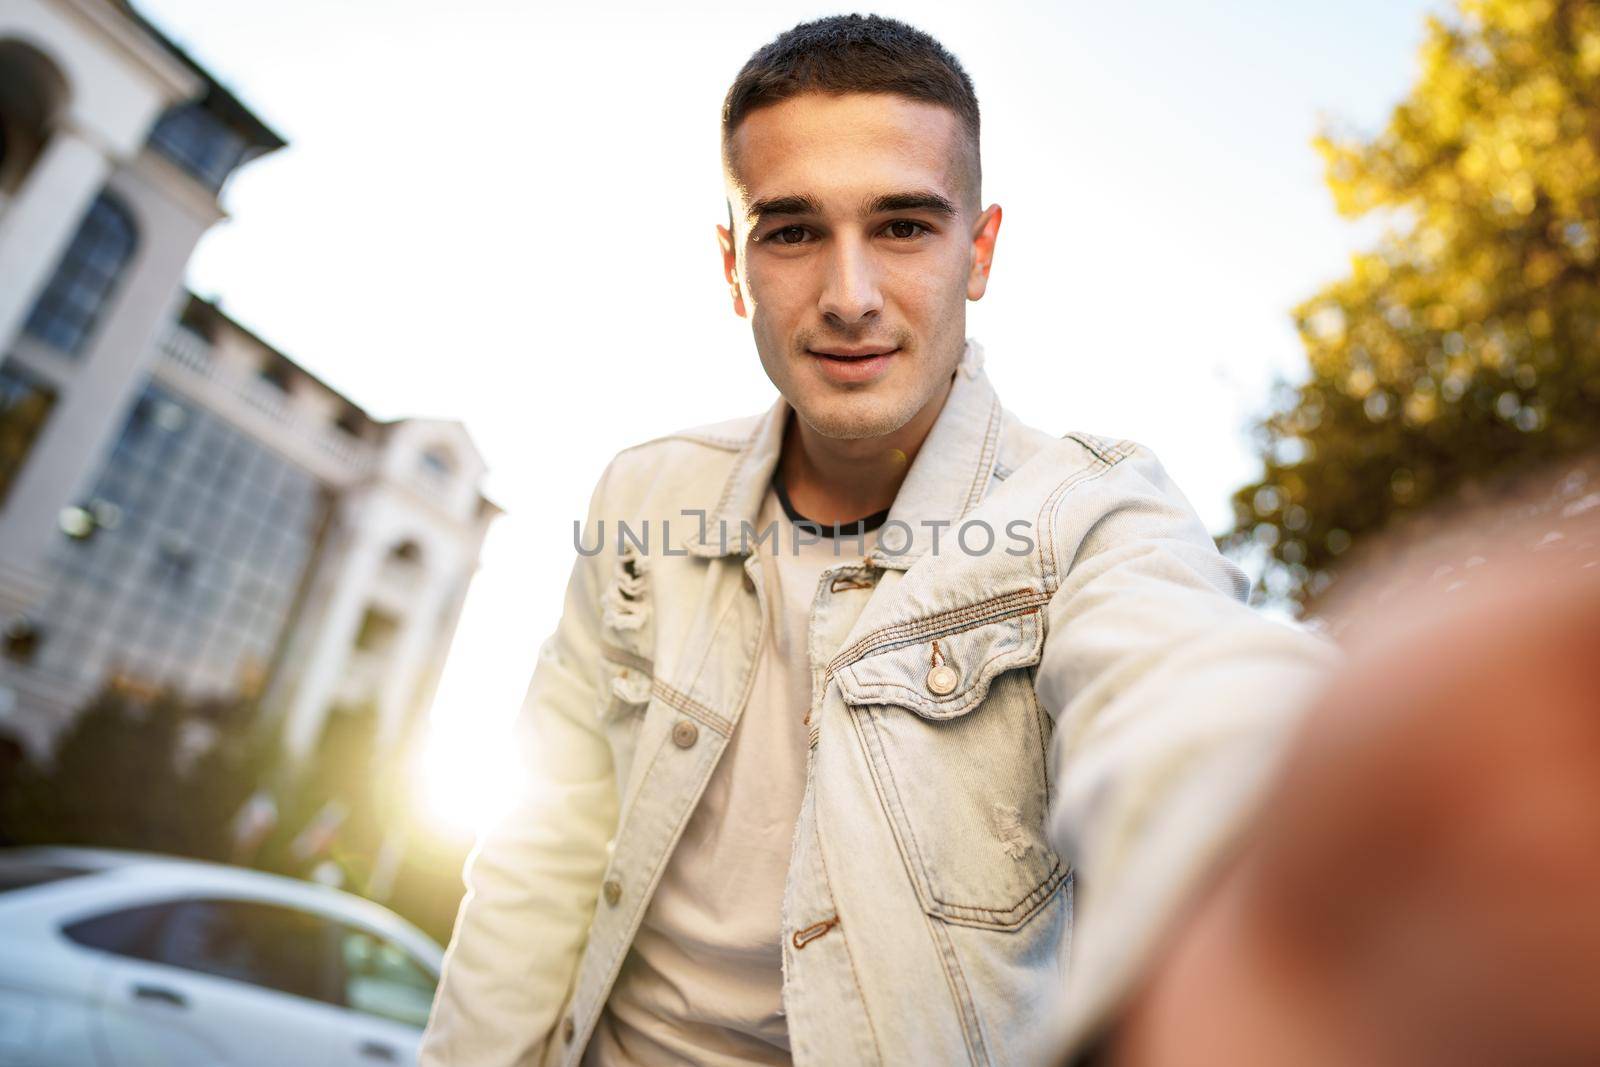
[{"x": 830, "y": 800}]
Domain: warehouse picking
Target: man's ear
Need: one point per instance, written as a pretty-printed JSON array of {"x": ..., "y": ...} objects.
[
  {"x": 984, "y": 232},
  {"x": 730, "y": 268}
]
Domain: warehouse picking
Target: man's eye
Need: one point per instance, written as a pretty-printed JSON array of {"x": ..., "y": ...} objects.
[
  {"x": 905, "y": 229},
  {"x": 789, "y": 235}
]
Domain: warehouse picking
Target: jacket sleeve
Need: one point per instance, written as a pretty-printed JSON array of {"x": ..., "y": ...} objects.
[
  {"x": 1172, "y": 701},
  {"x": 532, "y": 880}
]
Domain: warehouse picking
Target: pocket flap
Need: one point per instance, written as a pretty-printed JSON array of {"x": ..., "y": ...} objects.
[{"x": 947, "y": 675}]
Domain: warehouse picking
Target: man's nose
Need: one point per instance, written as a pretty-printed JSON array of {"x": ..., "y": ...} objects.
[{"x": 850, "y": 292}]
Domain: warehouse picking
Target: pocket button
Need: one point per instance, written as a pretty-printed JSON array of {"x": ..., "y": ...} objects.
[{"x": 942, "y": 680}]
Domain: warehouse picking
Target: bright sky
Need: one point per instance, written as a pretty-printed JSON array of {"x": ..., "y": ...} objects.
[{"x": 503, "y": 213}]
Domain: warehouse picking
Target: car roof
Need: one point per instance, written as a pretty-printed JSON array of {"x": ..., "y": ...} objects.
[{"x": 177, "y": 871}]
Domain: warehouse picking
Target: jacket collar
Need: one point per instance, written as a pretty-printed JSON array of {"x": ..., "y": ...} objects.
[{"x": 947, "y": 479}]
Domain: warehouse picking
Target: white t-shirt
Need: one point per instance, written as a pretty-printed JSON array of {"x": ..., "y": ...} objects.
[{"x": 703, "y": 981}]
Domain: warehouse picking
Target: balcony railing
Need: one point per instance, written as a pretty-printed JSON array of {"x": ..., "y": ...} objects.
[{"x": 192, "y": 354}]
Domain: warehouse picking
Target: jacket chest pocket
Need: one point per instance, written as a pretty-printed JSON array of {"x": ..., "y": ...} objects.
[{"x": 956, "y": 742}]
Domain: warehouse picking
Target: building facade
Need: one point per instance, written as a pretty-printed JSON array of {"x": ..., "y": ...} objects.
[{"x": 183, "y": 508}]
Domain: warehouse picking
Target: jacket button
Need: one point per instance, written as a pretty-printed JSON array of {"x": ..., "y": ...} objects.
[
  {"x": 569, "y": 1029},
  {"x": 942, "y": 680},
  {"x": 612, "y": 890},
  {"x": 685, "y": 733}
]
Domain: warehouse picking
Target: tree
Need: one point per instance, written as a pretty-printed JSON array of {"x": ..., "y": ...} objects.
[
  {"x": 1465, "y": 348},
  {"x": 152, "y": 774}
]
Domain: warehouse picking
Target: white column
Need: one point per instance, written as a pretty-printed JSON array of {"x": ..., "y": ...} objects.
[
  {"x": 37, "y": 224},
  {"x": 332, "y": 638},
  {"x": 409, "y": 659}
]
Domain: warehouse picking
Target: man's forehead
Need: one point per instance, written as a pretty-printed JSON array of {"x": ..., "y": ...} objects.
[{"x": 845, "y": 150}]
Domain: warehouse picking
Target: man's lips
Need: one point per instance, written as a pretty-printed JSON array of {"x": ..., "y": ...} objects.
[
  {"x": 853, "y": 353},
  {"x": 853, "y": 366}
]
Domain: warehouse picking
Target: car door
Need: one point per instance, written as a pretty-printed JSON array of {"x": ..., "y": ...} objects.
[
  {"x": 217, "y": 981},
  {"x": 387, "y": 991}
]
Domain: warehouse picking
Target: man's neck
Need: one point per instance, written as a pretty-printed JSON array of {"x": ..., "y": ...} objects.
[{"x": 834, "y": 480}]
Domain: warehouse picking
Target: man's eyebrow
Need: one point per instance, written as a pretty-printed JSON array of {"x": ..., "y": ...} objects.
[
  {"x": 801, "y": 204},
  {"x": 918, "y": 201},
  {"x": 798, "y": 204}
]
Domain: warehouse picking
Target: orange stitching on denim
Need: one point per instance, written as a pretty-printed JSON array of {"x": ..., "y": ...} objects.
[
  {"x": 1089, "y": 442},
  {"x": 690, "y": 707},
  {"x": 913, "y": 627},
  {"x": 1022, "y": 646},
  {"x": 870, "y": 642}
]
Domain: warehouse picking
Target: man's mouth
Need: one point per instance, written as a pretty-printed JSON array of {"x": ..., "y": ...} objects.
[
  {"x": 853, "y": 354},
  {"x": 853, "y": 364}
]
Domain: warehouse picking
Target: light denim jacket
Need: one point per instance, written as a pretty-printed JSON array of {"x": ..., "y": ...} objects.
[{"x": 1084, "y": 710}]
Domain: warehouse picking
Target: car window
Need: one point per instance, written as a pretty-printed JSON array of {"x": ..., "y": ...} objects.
[
  {"x": 263, "y": 944},
  {"x": 381, "y": 978},
  {"x": 126, "y": 931},
  {"x": 28, "y": 875}
]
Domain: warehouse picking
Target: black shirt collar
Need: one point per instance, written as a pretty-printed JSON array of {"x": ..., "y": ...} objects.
[{"x": 855, "y": 528}]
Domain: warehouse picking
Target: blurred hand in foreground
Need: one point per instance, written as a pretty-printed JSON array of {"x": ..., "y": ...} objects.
[{"x": 1423, "y": 885}]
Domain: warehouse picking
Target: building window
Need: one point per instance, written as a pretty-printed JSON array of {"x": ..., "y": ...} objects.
[
  {"x": 198, "y": 142},
  {"x": 199, "y": 540},
  {"x": 25, "y": 404},
  {"x": 276, "y": 373},
  {"x": 437, "y": 464},
  {"x": 378, "y": 631},
  {"x": 351, "y": 421},
  {"x": 66, "y": 311}
]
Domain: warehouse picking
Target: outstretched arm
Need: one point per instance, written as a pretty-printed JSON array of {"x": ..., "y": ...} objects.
[{"x": 1172, "y": 701}]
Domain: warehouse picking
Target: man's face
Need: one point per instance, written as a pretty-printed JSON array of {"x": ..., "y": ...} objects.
[{"x": 856, "y": 244}]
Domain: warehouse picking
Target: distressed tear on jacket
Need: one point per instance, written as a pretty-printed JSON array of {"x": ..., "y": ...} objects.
[
  {"x": 627, "y": 605},
  {"x": 1008, "y": 828},
  {"x": 631, "y": 686}
]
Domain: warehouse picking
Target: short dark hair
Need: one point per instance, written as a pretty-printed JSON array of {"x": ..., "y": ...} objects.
[{"x": 853, "y": 54}]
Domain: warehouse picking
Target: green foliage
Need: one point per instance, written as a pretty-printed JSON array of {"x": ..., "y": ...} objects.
[{"x": 1466, "y": 346}]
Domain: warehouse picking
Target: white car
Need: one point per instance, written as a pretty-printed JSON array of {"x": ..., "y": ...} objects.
[{"x": 119, "y": 959}]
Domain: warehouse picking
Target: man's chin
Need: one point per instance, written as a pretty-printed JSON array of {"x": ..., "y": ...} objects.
[{"x": 851, "y": 417}]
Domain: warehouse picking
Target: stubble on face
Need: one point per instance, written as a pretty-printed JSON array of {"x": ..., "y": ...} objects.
[{"x": 848, "y": 281}]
